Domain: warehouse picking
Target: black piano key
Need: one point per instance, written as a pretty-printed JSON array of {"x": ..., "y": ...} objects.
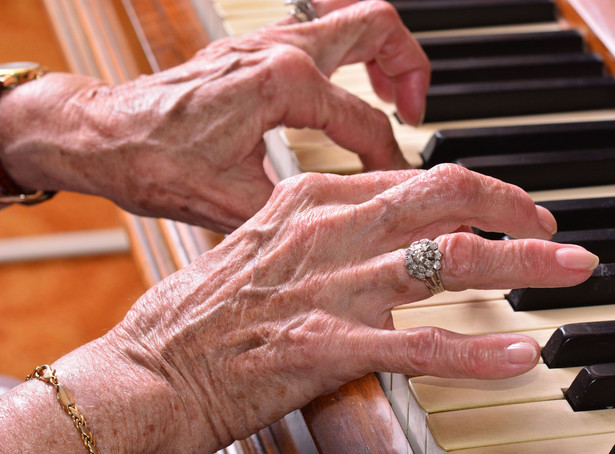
[
  {"x": 599, "y": 289},
  {"x": 421, "y": 15},
  {"x": 505, "y": 44},
  {"x": 498, "y": 99},
  {"x": 548, "y": 169},
  {"x": 516, "y": 68},
  {"x": 450, "y": 145},
  {"x": 593, "y": 388},
  {"x": 599, "y": 241},
  {"x": 581, "y": 214},
  {"x": 573, "y": 214},
  {"x": 579, "y": 344}
]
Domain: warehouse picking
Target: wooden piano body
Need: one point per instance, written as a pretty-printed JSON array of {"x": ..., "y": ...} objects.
[{"x": 109, "y": 39}]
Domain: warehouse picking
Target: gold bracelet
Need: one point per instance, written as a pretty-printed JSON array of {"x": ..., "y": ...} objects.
[{"x": 47, "y": 374}]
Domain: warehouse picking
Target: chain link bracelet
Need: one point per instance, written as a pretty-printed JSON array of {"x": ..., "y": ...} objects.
[{"x": 47, "y": 374}]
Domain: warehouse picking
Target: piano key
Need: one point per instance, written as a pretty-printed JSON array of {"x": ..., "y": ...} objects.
[
  {"x": 516, "y": 68},
  {"x": 548, "y": 169},
  {"x": 574, "y": 214},
  {"x": 593, "y": 388},
  {"x": 580, "y": 214},
  {"x": 421, "y": 15},
  {"x": 599, "y": 241},
  {"x": 505, "y": 44},
  {"x": 579, "y": 344},
  {"x": 497, "y": 99},
  {"x": 427, "y": 395},
  {"x": 453, "y": 144},
  {"x": 495, "y": 316},
  {"x": 597, "y": 290},
  {"x": 571, "y": 445},
  {"x": 516, "y": 423},
  {"x": 436, "y": 394}
]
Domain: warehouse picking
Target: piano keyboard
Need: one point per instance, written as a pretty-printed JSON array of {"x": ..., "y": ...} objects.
[{"x": 529, "y": 413}]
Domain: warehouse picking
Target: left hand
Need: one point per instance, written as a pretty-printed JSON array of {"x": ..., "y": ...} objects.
[{"x": 187, "y": 143}]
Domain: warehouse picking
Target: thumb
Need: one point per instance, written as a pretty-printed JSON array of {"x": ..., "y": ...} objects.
[{"x": 438, "y": 352}]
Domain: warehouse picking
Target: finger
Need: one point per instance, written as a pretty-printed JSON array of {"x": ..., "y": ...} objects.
[
  {"x": 438, "y": 352},
  {"x": 350, "y": 122},
  {"x": 447, "y": 197},
  {"x": 340, "y": 190},
  {"x": 367, "y": 32},
  {"x": 469, "y": 261}
]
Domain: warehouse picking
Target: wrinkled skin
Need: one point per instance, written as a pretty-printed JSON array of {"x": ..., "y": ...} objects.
[
  {"x": 298, "y": 300},
  {"x": 187, "y": 143}
]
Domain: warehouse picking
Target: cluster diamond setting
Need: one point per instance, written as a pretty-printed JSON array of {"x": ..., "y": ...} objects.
[{"x": 423, "y": 261}]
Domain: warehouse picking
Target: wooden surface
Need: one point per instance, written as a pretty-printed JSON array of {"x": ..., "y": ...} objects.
[
  {"x": 50, "y": 307},
  {"x": 596, "y": 19},
  {"x": 356, "y": 419}
]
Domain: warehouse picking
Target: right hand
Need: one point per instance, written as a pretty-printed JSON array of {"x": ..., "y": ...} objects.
[{"x": 298, "y": 300}]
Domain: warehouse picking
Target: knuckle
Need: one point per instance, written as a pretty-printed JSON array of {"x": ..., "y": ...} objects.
[
  {"x": 426, "y": 345},
  {"x": 453, "y": 179},
  {"x": 458, "y": 189},
  {"x": 306, "y": 338},
  {"x": 381, "y": 10},
  {"x": 460, "y": 253},
  {"x": 311, "y": 187},
  {"x": 289, "y": 62}
]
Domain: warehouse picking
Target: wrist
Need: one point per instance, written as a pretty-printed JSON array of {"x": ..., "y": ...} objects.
[
  {"x": 128, "y": 409},
  {"x": 45, "y": 138},
  {"x": 155, "y": 337},
  {"x": 13, "y": 75}
]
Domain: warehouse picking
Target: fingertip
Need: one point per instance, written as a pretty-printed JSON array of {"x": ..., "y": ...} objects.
[
  {"x": 547, "y": 221},
  {"x": 506, "y": 355},
  {"x": 576, "y": 258},
  {"x": 522, "y": 353},
  {"x": 411, "y": 97}
]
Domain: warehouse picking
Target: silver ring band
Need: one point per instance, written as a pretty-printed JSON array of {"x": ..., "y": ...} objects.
[
  {"x": 423, "y": 261},
  {"x": 303, "y": 10}
]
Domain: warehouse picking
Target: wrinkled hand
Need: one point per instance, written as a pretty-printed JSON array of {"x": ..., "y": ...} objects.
[
  {"x": 298, "y": 300},
  {"x": 187, "y": 143}
]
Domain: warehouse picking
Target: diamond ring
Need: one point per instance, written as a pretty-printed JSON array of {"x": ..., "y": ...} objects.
[
  {"x": 303, "y": 10},
  {"x": 423, "y": 262}
]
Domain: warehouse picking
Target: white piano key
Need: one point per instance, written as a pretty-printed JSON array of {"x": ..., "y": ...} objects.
[
  {"x": 532, "y": 421},
  {"x": 601, "y": 443},
  {"x": 496, "y": 316},
  {"x": 435, "y": 395}
]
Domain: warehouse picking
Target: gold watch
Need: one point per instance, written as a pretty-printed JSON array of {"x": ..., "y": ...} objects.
[
  {"x": 19, "y": 72},
  {"x": 11, "y": 75}
]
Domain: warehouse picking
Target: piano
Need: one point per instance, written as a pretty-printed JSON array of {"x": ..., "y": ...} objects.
[{"x": 385, "y": 412}]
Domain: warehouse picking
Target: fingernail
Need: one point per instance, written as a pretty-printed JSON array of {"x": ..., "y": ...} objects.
[
  {"x": 576, "y": 258},
  {"x": 422, "y": 118},
  {"x": 521, "y": 353},
  {"x": 546, "y": 219}
]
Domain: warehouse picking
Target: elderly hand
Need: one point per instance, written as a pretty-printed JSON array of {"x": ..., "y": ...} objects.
[
  {"x": 187, "y": 143},
  {"x": 298, "y": 300}
]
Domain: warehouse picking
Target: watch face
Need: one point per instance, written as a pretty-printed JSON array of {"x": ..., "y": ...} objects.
[
  {"x": 15, "y": 73},
  {"x": 18, "y": 66}
]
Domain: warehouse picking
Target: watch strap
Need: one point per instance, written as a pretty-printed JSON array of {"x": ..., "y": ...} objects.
[{"x": 10, "y": 191}]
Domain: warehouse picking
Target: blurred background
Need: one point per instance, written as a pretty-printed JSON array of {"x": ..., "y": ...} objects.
[{"x": 50, "y": 306}]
